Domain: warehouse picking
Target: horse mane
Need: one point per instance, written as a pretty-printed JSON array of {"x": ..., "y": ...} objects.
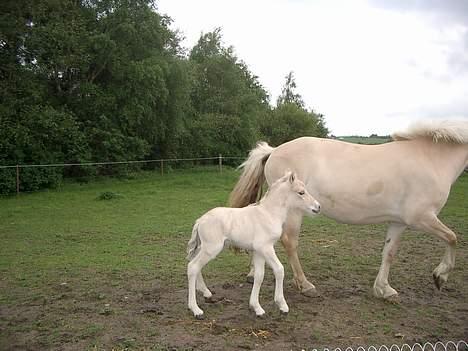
[{"x": 451, "y": 131}]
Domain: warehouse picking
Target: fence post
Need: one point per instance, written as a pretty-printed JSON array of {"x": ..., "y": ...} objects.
[
  {"x": 17, "y": 180},
  {"x": 162, "y": 167},
  {"x": 220, "y": 162}
]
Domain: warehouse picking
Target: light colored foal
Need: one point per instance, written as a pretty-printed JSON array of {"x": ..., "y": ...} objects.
[{"x": 256, "y": 228}]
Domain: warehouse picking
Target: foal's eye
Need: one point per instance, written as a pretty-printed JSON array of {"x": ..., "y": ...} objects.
[{"x": 301, "y": 192}]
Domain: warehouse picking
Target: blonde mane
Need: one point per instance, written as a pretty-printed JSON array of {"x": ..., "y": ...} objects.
[{"x": 452, "y": 131}]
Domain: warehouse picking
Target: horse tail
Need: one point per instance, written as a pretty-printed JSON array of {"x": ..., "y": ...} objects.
[
  {"x": 194, "y": 243},
  {"x": 252, "y": 178}
]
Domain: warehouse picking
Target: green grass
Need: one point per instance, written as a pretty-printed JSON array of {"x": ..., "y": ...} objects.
[
  {"x": 71, "y": 230},
  {"x": 65, "y": 232},
  {"x": 364, "y": 140},
  {"x": 70, "y": 235}
]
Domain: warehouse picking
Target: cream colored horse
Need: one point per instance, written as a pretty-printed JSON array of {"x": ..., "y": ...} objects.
[
  {"x": 404, "y": 183},
  {"x": 254, "y": 228}
]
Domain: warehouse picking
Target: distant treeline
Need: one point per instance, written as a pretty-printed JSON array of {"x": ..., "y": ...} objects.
[
  {"x": 108, "y": 80},
  {"x": 370, "y": 140}
]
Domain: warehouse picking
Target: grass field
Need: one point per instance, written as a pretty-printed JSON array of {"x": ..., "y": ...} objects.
[
  {"x": 82, "y": 273},
  {"x": 364, "y": 140}
]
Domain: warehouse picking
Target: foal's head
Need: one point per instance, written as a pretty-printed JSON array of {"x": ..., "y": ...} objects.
[{"x": 297, "y": 196}]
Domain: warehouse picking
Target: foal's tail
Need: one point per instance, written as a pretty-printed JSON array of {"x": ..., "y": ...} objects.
[
  {"x": 252, "y": 178},
  {"x": 194, "y": 244}
]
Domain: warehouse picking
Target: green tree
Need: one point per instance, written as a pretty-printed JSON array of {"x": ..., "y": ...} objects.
[
  {"x": 88, "y": 80},
  {"x": 288, "y": 94},
  {"x": 290, "y": 119},
  {"x": 226, "y": 98}
]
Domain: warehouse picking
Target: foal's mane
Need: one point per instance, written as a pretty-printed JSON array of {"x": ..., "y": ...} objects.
[
  {"x": 452, "y": 131},
  {"x": 271, "y": 187}
]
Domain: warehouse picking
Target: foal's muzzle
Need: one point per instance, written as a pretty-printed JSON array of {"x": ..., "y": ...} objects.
[{"x": 315, "y": 209}]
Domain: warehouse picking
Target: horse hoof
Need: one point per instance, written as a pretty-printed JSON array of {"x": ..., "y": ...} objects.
[
  {"x": 250, "y": 279},
  {"x": 438, "y": 281},
  {"x": 311, "y": 292},
  {"x": 200, "y": 317},
  {"x": 260, "y": 316},
  {"x": 284, "y": 313}
]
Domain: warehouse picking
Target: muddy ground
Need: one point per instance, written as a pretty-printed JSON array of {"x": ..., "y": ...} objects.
[{"x": 118, "y": 312}]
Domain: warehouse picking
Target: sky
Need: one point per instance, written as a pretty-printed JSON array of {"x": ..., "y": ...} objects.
[{"x": 369, "y": 66}]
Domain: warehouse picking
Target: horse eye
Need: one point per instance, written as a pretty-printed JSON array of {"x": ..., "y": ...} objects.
[{"x": 301, "y": 192}]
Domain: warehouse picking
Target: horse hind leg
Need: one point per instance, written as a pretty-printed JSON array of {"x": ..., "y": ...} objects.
[
  {"x": 194, "y": 268},
  {"x": 259, "y": 263},
  {"x": 381, "y": 286},
  {"x": 201, "y": 286},
  {"x": 250, "y": 275},
  {"x": 431, "y": 224}
]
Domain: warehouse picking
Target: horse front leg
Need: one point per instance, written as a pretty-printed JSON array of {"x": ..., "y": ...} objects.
[
  {"x": 381, "y": 286},
  {"x": 290, "y": 241},
  {"x": 278, "y": 270},
  {"x": 431, "y": 224}
]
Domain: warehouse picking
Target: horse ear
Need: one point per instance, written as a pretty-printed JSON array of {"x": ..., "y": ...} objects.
[{"x": 292, "y": 177}]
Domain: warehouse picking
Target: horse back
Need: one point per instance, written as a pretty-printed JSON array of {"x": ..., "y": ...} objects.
[{"x": 364, "y": 183}]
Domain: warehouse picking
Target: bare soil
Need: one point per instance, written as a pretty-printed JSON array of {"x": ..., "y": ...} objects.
[{"x": 117, "y": 312}]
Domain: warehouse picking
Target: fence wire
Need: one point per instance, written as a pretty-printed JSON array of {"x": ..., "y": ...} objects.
[
  {"x": 220, "y": 157},
  {"x": 75, "y": 170}
]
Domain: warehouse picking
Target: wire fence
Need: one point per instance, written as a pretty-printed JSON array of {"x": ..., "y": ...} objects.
[
  {"x": 461, "y": 345},
  {"x": 162, "y": 164}
]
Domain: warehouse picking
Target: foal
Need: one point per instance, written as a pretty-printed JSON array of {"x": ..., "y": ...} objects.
[{"x": 255, "y": 228}]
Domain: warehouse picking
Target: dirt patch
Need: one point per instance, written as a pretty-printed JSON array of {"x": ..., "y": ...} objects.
[{"x": 142, "y": 313}]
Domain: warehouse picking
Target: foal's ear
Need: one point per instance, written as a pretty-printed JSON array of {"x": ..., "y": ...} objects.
[{"x": 292, "y": 177}]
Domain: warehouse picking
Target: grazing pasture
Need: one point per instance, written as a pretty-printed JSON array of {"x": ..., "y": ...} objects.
[
  {"x": 365, "y": 140},
  {"x": 79, "y": 270}
]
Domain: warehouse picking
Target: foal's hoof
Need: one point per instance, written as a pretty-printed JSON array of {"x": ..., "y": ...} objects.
[
  {"x": 250, "y": 279},
  {"x": 311, "y": 292},
  {"x": 284, "y": 313},
  {"x": 438, "y": 281},
  {"x": 200, "y": 317},
  {"x": 260, "y": 316}
]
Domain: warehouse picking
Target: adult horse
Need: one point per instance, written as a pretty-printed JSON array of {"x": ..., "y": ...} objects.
[{"x": 404, "y": 183}]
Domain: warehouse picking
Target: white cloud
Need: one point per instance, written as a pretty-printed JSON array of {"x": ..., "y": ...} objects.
[{"x": 368, "y": 69}]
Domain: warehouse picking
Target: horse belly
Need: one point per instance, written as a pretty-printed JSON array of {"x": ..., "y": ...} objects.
[{"x": 349, "y": 215}]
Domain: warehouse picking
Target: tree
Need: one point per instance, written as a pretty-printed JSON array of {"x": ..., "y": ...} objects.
[
  {"x": 107, "y": 80},
  {"x": 226, "y": 98},
  {"x": 288, "y": 94},
  {"x": 290, "y": 119}
]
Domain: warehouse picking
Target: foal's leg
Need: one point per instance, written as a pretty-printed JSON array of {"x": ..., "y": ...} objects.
[
  {"x": 250, "y": 275},
  {"x": 290, "y": 240},
  {"x": 194, "y": 271},
  {"x": 201, "y": 286},
  {"x": 259, "y": 263},
  {"x": 381, "y": 286},
  {"x": 278, "y": 270},
  {"x": 433, "y": 225}
]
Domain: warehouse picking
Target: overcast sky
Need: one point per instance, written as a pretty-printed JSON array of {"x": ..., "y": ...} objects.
[{"x": 370, "y": 66}]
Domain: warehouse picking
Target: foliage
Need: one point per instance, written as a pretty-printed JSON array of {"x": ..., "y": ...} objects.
[
  {"x": 95, "y": 80},
  {"x": 288, "y": 95},
  {"x": 108, "y": 195},
  {"x": 290, "y": 119}
]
